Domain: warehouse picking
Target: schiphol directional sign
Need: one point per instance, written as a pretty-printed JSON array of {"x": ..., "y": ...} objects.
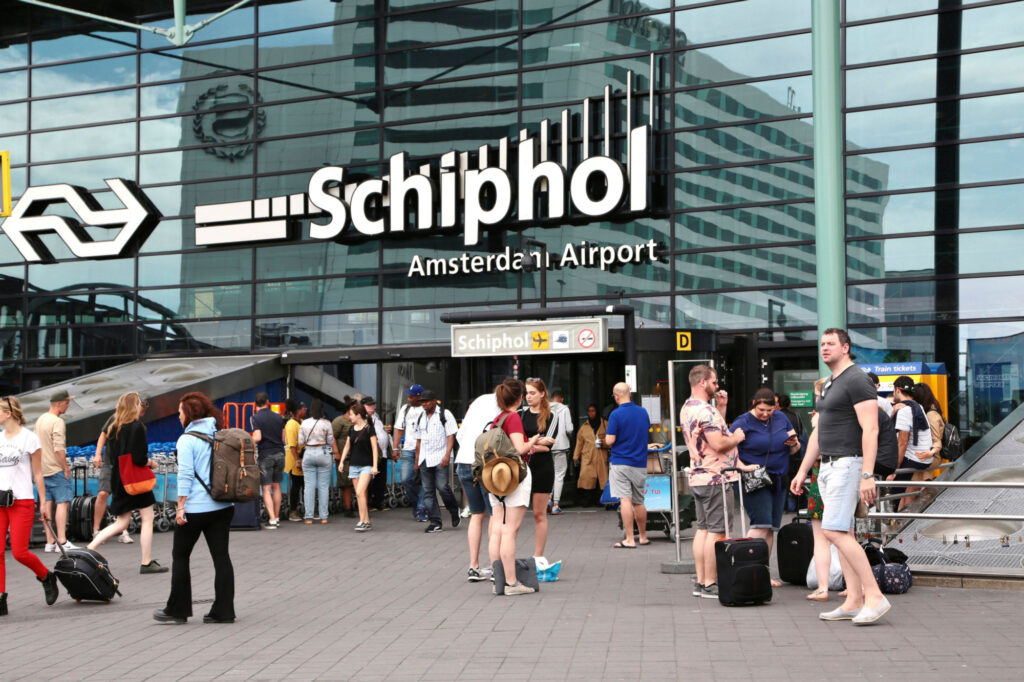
[{"x": 548, "y": 337}]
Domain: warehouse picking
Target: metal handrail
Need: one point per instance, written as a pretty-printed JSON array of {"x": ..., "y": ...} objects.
[
  {"x": 949, "y": 484},
  {"x": 938, "y": 515}
]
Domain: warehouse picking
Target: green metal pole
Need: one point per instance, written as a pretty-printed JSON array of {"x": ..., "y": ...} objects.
[{"x": 829, "y": 210}]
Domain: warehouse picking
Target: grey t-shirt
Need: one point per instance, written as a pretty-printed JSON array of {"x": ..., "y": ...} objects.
[{"x": 839, "y": 432}]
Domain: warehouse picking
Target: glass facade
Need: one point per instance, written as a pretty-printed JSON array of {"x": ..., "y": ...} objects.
[{"x": 268, "y": 94}]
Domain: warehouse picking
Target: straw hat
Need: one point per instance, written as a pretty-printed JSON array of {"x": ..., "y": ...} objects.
[{"x": 500, "y": 476}]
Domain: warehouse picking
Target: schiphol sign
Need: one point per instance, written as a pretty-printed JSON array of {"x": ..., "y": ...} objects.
[
  {"x": 588, "y": 335},
  {"x": 491, "y": 187}
]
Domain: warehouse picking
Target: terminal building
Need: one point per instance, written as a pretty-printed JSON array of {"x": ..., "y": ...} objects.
[{"x": 258, "y": 157}]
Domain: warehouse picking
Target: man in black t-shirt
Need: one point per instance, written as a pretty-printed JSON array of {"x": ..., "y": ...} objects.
[
  {"x": 268, "y": 434},
  {"x": 846, "y": 438}
]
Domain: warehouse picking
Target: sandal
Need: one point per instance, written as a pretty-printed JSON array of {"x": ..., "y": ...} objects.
[
  {"x": 775, "y": 583},
  {"x": 622, "y": 545},
  {"x": 818, "y": 595}
]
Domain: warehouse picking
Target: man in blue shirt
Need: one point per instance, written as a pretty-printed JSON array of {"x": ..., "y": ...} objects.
[{"x": 628, "y": 426}]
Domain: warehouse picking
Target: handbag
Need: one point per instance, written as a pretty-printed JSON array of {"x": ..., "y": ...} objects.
[
  {"x": 135, "y": 479},
  {"x": 6, "y": 498},
  {"x": 892, "y": 578},
  {"x": 759, "y": 477},
  {"x": 755, "y": 480},
  {"x": 526, "y": 573}
]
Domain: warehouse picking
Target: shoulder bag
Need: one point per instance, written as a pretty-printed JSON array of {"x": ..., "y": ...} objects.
[{"x": 759, "y": 477}]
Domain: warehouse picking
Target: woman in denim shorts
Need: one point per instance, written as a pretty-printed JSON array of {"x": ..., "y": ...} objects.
[{"x": 361, "y": 447}]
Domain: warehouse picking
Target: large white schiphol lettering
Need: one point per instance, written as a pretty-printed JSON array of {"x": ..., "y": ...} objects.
[{"x": 468, "y": 191}]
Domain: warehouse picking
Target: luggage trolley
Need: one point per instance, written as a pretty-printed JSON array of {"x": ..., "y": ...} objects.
[{"x": 659, "y": 490}]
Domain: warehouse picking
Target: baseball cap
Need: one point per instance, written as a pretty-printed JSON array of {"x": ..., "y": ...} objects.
[
  {"x": 415, "y": 389},
  {"x": 58, "y": 396},
  {"x": 428, "y": 395},
  {"x": 368, "y": 400}
]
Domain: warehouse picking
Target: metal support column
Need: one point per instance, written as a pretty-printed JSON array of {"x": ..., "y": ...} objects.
[{"x": 829, "y": 209}]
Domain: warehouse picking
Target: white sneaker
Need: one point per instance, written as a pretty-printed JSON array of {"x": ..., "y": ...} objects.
[
  {"x": 518, "y": 588},
  {"x": 67, "y": 545},
  {"x": 50, "y": 548},
  {"x": 124, "y": 538},
  {"x": 466, "y": 513}
]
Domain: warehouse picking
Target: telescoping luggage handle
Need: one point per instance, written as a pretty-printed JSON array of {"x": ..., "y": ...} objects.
[
  {"x": 725, "y": 503},
  {"x": 49, "y": 526}
]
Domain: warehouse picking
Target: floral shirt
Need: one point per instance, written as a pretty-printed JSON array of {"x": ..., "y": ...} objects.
[{"x": 698, "y": 418}]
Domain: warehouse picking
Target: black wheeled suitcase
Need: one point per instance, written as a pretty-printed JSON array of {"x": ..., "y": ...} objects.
[
  {"x": 742, "y": 563},
  {"x": 794, "y": 551},
  {"x": 85, "y": 575}
]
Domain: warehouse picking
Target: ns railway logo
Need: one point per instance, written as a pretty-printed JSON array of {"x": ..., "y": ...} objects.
[{"x": 548, "y": 179}]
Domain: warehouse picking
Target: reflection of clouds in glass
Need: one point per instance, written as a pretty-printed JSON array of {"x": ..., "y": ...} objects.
[
  {"x": 891, "y": 40},
  {"x": 891, "y": 83},
  {"x": 990, "y": 161},
  {"x": 93, "y": 75},
  {"x": 740, "y": 19},
  {"x": 991, "y": 70},
  {"x": 991, "y": 25},
  {"x": 753, "y": 59}
]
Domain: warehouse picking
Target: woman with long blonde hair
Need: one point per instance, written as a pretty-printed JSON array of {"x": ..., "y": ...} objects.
[
  {"x": 537, "y": 422},
  {"x": 126, "y": 435}
]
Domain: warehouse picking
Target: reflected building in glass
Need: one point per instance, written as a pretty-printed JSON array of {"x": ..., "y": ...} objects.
[{"x": 263, "y": 98}]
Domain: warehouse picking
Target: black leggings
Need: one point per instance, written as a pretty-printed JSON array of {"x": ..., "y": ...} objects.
[
  {"x": 295, "y": 485},
  {"x": 215, "y": 526}
]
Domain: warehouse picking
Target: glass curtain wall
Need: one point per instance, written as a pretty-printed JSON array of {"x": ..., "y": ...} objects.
[{"x": 265, "y": 96}]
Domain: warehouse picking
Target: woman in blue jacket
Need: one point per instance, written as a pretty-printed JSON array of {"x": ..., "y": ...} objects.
[
  {"x": 770, "y": 439},
  {"x": 199, "y": 514}
]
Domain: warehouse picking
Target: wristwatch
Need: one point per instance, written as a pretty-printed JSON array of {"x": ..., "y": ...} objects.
[{"x": 865, "y": 475}]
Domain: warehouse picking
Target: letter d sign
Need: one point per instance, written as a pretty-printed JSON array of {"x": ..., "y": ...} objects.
[{"x": 683, "y": 341}]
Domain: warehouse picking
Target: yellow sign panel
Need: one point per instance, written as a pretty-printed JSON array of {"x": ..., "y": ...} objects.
[
  {"x": 5, "y": 184},
  {"x": 684, "y": 341},
  {"x": 540, "y": 340}
]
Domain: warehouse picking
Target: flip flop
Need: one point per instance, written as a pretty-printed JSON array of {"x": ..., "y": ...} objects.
[
  {"x": 776, "y": 583},
  {"x": 818, "y": 595},
  {"x": 643, "y": 544},
  {"x": 619, "y": 545}
]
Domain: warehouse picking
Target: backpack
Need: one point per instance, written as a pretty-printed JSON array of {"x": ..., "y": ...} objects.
[
  {"x": 234, "y": 474},
  {"x": 952, "y": 446},
  {"x": 494, "y": 443},
  {"x": 888, "y": 447}
]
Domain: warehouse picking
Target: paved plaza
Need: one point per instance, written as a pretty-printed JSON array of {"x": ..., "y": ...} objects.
[{"x": 323, "y": 602}]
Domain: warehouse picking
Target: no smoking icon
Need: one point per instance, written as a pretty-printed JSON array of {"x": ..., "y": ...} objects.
[{"x": 586, "y": 338}]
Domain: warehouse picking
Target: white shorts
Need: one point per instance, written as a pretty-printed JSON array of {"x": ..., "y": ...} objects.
[{"x": 520, "y": 497}]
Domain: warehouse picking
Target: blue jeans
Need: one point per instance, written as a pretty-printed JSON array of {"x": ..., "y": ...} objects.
[
  {"x": 435, "y": 479},
  {"x": 413, "y": 490},
  {"x": 317, "y": 464},
  {"x": 476, "y": 496}
]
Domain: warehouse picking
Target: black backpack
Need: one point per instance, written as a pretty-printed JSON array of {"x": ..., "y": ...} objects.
[
  {"x": 952, "y": 446},
  {"x": 888, "y": 447}
]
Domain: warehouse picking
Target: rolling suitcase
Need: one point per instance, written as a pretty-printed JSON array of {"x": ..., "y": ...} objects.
[
  {"x": 247, "y": 516},
  {"x": 795, "y": 551},
  {"x": 743, "y": 576},
  {"x": 85, "y": 575}
]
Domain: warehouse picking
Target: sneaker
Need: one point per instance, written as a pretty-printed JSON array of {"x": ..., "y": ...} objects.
[
  {"x": 466, "y": 513},
  {"x": 309, "y": 521},
  {"x": 433, "y": 528},
  {"x": 50, "y": 548},
  {"x": 152, "y": 567},
  {"x": 362, "y": 527},
  {"x": 421, "y": 516},
  {"x": 67, "y": 545},
  {"x": 556, "y": 510},
  {"x": 474, "y": 575},
  {"x": 162, "y": 616},
  {"x": 709, "y": 591},
  {"x": 294, "y": 516},
  {"x": 124, "y": 538},
  {"x": 273, "y": 526},
  {"x": 518, "y": 588},
  {"x": 321, "y": 521},
  {"x": 487, "y": 574},
  {"x": 456, "y": 518},
  {"x": 698, "y": 590}
]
